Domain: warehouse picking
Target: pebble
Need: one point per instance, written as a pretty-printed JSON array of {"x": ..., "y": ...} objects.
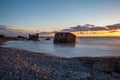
[{"x": 25, "y": 65}]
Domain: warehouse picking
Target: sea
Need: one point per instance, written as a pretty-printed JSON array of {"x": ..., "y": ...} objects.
[{"x": 84, "y": 47}]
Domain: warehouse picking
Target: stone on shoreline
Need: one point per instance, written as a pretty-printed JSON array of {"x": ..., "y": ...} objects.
[{"x": 105, "y": 64}]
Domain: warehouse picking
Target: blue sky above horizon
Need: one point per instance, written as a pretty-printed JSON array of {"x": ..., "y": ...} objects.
[{"x": 50, "y": 15}]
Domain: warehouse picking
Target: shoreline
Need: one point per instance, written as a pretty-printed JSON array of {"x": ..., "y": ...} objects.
[
  {"x": 2, "y": 41},
  {"x": 24, "y": 64}
]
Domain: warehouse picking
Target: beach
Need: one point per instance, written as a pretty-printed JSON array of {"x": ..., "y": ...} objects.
[
  {"x": 2, "y": 41},
  {"x": 59, "y": 39},
  {"x": 16, "y": 64}
]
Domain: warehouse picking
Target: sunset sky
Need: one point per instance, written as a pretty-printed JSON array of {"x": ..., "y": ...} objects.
[{"x": 50, "y": 15}]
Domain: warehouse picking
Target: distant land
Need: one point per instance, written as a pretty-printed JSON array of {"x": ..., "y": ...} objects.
[{"x": 79, "y": 30}]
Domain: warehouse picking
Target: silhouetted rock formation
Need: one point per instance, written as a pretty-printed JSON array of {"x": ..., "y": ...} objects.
[
  {"x": 34, "y": 37},
  {"x": 2, "y": 36},
  {"x": 21, "y": 37},
  {"x": 7, "y": 38},
  {"x": 48, "y": 38}
]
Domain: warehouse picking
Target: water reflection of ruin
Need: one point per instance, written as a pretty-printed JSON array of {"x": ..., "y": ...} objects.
[
  {"x": 64, "y": 37},
  {"x": 72, "y": 45}
]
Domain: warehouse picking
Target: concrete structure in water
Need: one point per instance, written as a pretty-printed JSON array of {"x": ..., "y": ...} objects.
[
  {"x": 64, "y": 37},
  {"x": 34, "y": 37}
]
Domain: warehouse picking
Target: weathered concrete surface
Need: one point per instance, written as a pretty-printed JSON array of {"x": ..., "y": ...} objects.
[
  {"x": 34, "y": 37},
  {"x": 64, "y": 37}
]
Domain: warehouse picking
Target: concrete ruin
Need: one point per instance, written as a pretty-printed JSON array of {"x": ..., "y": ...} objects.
[
  {"x": 64, "y": 37},
  {"x": 34, "y": 37}
]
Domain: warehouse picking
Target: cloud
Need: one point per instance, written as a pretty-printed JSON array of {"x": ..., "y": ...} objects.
[
  {"x": 44, "y": 33},
  {"x": 113, "y": 27},
  {"x": 98, "y": 28},
  {"x": 85, "y": 27},
  {"x": 11, "y": 31},
  {"x": 3, "y": 27},
  {"x": 92, "y": 27},
  {"x": 80, "y": 28}
]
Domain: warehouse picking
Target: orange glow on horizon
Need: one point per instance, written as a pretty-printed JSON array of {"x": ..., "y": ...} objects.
[
  {"x": 89, "y": 33},
  {"x": 98, "y": 33}
]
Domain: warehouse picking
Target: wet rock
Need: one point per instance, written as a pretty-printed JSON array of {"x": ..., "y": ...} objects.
[
  {"x": 108, "y": 64},
  {"x": 103, "y": 66},
  {"x": 84, "y": 76},
  {"x": 117, "y": 75},
  {"x": 117, "y": 66},
  {"x": 47, "y": 38}
]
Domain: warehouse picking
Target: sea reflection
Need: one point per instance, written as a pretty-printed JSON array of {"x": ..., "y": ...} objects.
[
  {"x": 85, "y": 47},
  {"x": 73, "y": 45}
]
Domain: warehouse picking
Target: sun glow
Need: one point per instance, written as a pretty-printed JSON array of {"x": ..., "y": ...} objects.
[{"x": 101, "y": 33}]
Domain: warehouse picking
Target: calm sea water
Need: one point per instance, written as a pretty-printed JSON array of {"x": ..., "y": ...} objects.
[{"x": 85, "y": 47}]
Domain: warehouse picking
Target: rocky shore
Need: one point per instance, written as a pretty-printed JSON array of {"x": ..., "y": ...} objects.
[
  {"x": 2, "y": 41},
  {"x": 26, "y": 65}
]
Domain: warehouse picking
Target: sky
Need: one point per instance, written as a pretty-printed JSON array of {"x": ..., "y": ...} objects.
[{"x": 52, "y": 15}]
